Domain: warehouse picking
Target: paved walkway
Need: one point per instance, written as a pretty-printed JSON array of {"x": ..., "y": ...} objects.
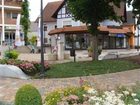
[{"x": 8, "y": 87}]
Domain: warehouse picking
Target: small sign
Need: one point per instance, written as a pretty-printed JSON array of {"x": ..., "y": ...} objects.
[{"x": 120, "y": 35}]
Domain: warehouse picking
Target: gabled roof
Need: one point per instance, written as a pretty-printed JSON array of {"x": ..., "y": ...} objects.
[
  {"x": 57, "y": 10},
  {"x": 49, "y": 10}
]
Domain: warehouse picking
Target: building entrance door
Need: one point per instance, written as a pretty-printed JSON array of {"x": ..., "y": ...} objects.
[{"x": 9, "y": 38}]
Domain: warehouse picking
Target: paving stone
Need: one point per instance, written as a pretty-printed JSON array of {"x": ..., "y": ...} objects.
[{"x": 8, "y": 87}]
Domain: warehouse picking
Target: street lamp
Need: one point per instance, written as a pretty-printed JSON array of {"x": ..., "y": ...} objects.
[{"x": 42, "y": 41}]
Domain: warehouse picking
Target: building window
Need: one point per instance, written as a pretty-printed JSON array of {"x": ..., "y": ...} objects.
[
  {"x": 8, "y": 15},
  {"x": 79, "y": 42},
  {"x": 45, "y": 28},
  {"x": 55, "y": 26},
  {"x": 14, "y": 16},
  {"x": 64, "y": 12},
  {"x": 67, "y": 23},
  {"x": 45, "y": 40}
]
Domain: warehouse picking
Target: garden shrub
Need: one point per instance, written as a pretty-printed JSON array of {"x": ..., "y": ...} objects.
[
  {"x": 54, "y": 97},
  {"x": 28, "y": 95},
  {"x": 33, "y": 40},
  {"x": 11, "y": 54},
  {"x": 30, "y": 68},
  {"x": 38, "y": 65},
  {"x": 3, "y": 61}
]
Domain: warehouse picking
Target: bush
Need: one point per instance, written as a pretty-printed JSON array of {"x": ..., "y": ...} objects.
[
  {"x": 33, "y": 40},
  {"x": 12, "y": 54},
  {"x": 28, "y": 95},
  {"x": 90, "y": 49},
  {"x": 30, "y": 68},
  {"x": 38, "y": 65},
  {"x": 55, "y": 97}
]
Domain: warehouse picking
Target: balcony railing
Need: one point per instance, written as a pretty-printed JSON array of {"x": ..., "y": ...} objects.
[
  {"x": 10, "y": 21},
  {"x": 16, "y": 3}
]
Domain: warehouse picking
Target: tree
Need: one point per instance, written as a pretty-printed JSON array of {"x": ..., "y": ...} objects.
[
  {"x": 25, "y": 22},
  {"x": 136, "y": 8},
  {"x": 92, "y": 12}
]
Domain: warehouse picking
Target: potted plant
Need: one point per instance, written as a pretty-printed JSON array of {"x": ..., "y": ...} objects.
[{"x": 90, "y": 51}]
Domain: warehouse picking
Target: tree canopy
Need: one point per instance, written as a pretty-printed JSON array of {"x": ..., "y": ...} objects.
[
  {"x": 25, "y": 22},
  {"x": 136, "y": 8},
  {"x": 92, "y": 12}
]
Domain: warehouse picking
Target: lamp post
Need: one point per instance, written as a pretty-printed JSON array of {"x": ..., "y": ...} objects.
[
  {"x": 138, "y": 38},
  {"x": 42, "y": 42}
]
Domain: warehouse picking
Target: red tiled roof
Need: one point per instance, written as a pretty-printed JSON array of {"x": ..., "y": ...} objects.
[
  {"x": 83, "y": 29},
  {"x": 49, "y": 10}
]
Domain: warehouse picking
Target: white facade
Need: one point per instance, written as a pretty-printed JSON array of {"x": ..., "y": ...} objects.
[
  {"x": 137, "y": 34},
  {"x": 110, "y": 23},
  {"x": 49, "y": 26},
  {"x": 67, "y": 22},
  {"x": 65, "y": 19}
]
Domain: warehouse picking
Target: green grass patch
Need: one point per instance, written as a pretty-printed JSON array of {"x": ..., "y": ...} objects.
[{"x": 72, "y": 69}]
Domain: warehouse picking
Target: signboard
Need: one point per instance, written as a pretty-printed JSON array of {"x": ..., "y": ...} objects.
[{"x": 120, "y": 35}]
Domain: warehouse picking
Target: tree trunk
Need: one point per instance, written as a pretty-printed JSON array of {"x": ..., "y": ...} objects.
[
  {"x": 95, "y": 47},
  {"x": 93, "y": 30},
  {"x": 25, "y": 39}
]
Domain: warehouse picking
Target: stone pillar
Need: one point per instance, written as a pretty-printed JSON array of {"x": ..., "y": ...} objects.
[
  {"x": 124, "y": 43},
  {"x": 60, "y": 51}
]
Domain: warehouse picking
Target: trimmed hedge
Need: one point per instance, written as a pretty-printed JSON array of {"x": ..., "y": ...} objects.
[{"x": 28, "y": 95}]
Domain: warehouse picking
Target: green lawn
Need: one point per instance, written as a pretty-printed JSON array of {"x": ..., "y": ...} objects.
[{"x": 89, "y": 68}]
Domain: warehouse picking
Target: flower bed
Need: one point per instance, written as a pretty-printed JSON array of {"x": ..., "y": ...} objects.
[
  {"x": 86, "y": 95},
  {"x": 30, "y": 68}
]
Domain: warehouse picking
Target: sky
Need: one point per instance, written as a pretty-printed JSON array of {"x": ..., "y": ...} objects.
[{"x": 34, "y": 6}]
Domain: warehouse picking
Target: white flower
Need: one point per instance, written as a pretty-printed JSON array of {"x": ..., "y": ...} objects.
[
  {"x": 126, "y": 92},
  {"x": 133, "y": 94},
  {"x": 97, "y": 103},
  {"x": 136, "y": 100},
  {"x": 91, "y": 91},
  {"x": 84, "y": 95}
]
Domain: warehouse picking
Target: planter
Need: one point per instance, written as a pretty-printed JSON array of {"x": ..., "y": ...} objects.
[
  {"x": 51, "y": 57},
  {"x": 66, "y": 56}
]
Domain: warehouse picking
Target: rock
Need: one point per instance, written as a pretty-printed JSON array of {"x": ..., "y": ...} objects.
[{"x": 12, "y": 72}]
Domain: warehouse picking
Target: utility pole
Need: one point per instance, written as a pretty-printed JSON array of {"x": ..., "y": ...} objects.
[
  {"x": 138, "y": 37},
  {"x": 42, "y": 41}
]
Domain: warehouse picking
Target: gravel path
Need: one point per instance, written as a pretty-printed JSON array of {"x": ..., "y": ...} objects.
[{"x": 8, "y": 86}]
